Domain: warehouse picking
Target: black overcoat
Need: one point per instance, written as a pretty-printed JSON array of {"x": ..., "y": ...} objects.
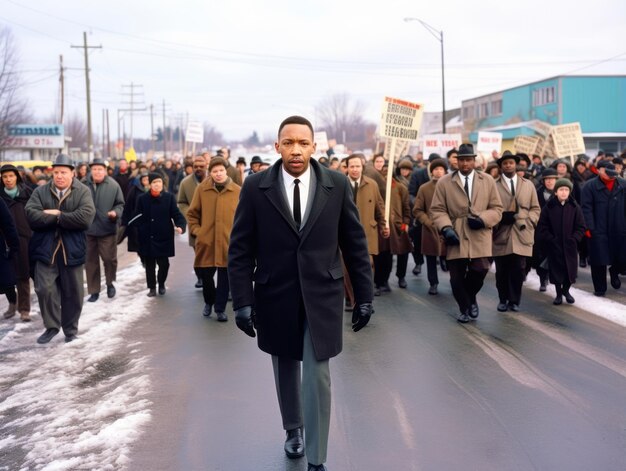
[
  {"x": 17, "y": 207},
  {"x": 605, "y": 217},
  {"x": 560, "y": 229},
  {"x": 297, "y": 274},
  {"x": 9, "y": 246},
  {"x": 155, "y": 218}
]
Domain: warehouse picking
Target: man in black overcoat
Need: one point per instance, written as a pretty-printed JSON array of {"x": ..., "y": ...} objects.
[{"x": 286, "y": 279}]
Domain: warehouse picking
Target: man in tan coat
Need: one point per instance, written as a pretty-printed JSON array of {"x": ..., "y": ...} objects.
[
  {"x": 513, "y": 238},
  {"x": 371, "y": 208},
  {"x": 211, "y": 215},
  {"x": 465, "y": 208},
  {"x": 185, "y": 194}
]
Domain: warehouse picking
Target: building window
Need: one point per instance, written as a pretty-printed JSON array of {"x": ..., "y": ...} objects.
[
  {"x": 496, "y": 108},
  {"x": 484, "y": 110},
  {"x": 544, "y": 96}
]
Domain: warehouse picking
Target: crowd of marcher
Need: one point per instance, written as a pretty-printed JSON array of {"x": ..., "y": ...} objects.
[{"x": 457, "y": 213}]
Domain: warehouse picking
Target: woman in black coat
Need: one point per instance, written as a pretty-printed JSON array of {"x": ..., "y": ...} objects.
[
  {"x": 16, "y": 194},
  {"x": 157, "y": 217},
  {"x": 9, "y": 246},
  {"x": 561, "y": 226}
]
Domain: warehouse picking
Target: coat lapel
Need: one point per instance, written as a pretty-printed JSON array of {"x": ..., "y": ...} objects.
[
  {"x": 323, "y": 189},
  {"x": 271, "y": 185}
]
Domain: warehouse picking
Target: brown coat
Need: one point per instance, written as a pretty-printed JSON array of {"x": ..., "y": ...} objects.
[
  {"x": 210, "y": 217},
  {"x": 511, "y": 238},
  {"x": 450, "y": 208},
  {"x": 432, "y": 242},
  {"x": 371, "y": 208},
  {"x": 399, "y": 241},
  {"x": 370, "y": 171},
  {"x": 186, "y": 190}
]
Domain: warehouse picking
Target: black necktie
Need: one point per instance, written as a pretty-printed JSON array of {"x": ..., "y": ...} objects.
[
  {"x": 467, "y": 187},
  {"x": 355, "y": 189},
  {"x": 512, "y": 188},
  {"x": 296, "y": 203},
  {"x": 60, "y": 194}
]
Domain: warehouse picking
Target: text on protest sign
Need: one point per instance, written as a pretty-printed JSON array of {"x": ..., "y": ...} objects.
[
  {"x": 568, "y": 140},
  {"x": 525, "y": 144},
  {"x": 401, "y": 119},
  {"x": 195, "y": 132},
  {"x": 440, "y": 143},
  {"x": 489, "y": 141}
]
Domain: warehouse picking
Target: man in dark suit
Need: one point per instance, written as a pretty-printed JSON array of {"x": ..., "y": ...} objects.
[{"x": 290, "y": 225}]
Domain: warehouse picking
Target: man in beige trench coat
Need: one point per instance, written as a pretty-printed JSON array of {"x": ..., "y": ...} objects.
[
  {"x": 465, "y": 208},
  {"x": 513, "y": 238}
]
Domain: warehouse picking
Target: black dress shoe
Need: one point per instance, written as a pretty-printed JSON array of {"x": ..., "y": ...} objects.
[
  {"x": 463, "y": 318},
  {"x": 93, "y": 298},
  {"x": 616, "y": 283},
  {"x": 316, "y": 467},
  {"x": 47, "y": 335},
  {"x": 599, "y": 293},
  {"x": 377, "y": 291},
  {"x": 70, "y": 338},
  {"x": 568, "y": 297},
  {"x": 402, "y": 283},
  {"x": 208, "y": 309},
  {"x": 294, "y": 444},
  {"x": 162, "y": 290},
  {"x": 198, "y": 283},
  {"x": 417, "y": 270},
  {"x": 473, "y": 311},
  {"x": 514, "y": 307},
  {"x": 385, "y": 288},
  {"x": 433, "y": 289},
  {"x": 443, "y": 264},
  {"x": 221, "y": 316},
  {"x": 582, "y": 263},
  {"x": 110, "y": 291},
  {"x": 558, "y": 300},
  {"x": 152, "y": 293},
  {"x": 543, "y": 285},
  {"x": 502, "y": 306}
]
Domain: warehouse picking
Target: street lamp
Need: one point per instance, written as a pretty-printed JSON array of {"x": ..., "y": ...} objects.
[{"x": 439, "y": 37}]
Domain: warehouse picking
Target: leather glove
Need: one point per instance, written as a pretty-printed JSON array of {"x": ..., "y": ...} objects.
[
  {"x": 475, "y": 223},
  {"x": 361, "y": 315},
  {"x": 508, "y": 218},
  {"x": 450, "y": 236},
  {"x": 244, "y": 318}
]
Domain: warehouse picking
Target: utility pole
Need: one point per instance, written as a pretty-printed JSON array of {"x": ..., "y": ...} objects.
[
  {"x": 108, "y": 135},
  {"x": 132, "y": 105},
  {"x": 86, "y": 48},
  {"x": 62, "y": 87},
  {"x": 164, "y": 132},
  {"x": 152, "y": 137}
]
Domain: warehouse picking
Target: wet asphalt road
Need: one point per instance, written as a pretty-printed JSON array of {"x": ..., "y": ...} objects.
[{"x": 543, "y": 389}]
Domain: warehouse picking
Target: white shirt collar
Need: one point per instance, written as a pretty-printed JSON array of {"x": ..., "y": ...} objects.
[{"x": 305, "y": 178}]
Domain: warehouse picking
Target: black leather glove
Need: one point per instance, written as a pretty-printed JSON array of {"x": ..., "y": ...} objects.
[
  {"x": 475, "y": 223},
  {"x": 450, "y": 236},
  {"x": 361, "y": 315},
  {"x": 508, "y": 218},
  {"x": 244, "y": 318}
]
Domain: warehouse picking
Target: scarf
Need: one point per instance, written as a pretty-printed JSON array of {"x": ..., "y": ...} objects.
[
  {"x": 155, "y": 194},
  {"x": 12, "y": 193}
]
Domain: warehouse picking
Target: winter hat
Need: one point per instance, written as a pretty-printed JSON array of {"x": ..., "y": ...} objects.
[
  {"x": 437, "y": 163},
  {"x": 433, "y": 156},
  {"x": 548, "y": 173},
  {"x": 154, "y": 176},
  {"x": 405, "y": 163},
  {"x": 215, "y": 161},
  {"x": 608, "y": 166},
  {"x": 563, "y": 182}
]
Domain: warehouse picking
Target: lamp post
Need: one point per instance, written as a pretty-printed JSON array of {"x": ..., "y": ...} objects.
[{"x": 439, "y": 37}]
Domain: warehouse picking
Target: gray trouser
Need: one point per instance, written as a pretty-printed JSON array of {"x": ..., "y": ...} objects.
[
  {"x": 60, "y": 293},
  {"x": 105, "y": 248},
  {"x": 305, "y": 394}
]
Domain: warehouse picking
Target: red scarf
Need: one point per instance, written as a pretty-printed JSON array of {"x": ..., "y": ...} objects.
[
  {"x": 608, "y": 182},
  {"x": 155, "y": 194}
]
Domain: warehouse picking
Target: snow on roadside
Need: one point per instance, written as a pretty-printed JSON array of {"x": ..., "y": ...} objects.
[
  {"x": 79, "y": 405},
  {"x": 599, "y": 306}
]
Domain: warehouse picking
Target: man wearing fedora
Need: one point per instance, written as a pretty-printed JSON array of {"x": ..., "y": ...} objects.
[
  {"x": 514, "y": 237},
  {"x": 465, "y": 208},
  {"x": 102, "y": 234},
  {"x": 59, "y": 213},
  {"x": 255, "y": 165}
]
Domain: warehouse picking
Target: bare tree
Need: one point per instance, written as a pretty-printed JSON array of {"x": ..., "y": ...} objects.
[
  {"x": 13, "y": 108},
  {"x": 212, "y": 137},
  {"x": 76, "y": 128},
  {"x": 342, "y": 119}
]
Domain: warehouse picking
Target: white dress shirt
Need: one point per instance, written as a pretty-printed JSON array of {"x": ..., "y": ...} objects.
[
  {"x": 470, "y": 182},
  {"x": 303, "y": 186},
  {"x": 508, "y": 181}
]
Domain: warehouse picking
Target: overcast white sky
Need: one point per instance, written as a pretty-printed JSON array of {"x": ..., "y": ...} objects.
[{"x": 245, "y": 65}]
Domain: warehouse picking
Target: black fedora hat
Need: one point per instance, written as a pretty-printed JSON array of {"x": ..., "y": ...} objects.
[
  {"x": 507, "y": 155},
  {"x": 63, "y": 160},
  {"x": 98, "y": 161},
  {"x": 256, "y": 160},
  {"x": 466, "y": 150}
]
